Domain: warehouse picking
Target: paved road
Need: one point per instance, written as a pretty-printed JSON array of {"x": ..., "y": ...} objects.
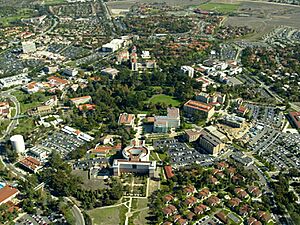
[
  {"x": 76, "y": 213},
  {"x": 14, "y": 122}
]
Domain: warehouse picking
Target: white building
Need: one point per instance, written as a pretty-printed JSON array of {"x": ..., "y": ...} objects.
[
  {"x": 188, "y": 70},
  {"x": 113, "y": 46},
  {"x": 70, "y": 72},
  {"x": 28, "y": 47},
  {"x": 14, "y": 80},
  {"x": 18, "y": 144}
]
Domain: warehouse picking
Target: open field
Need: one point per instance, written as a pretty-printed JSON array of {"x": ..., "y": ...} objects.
[
  {"x": 219, "y": 7},
  {"x": 264, "y": 17},
  {"x": 161, "y": 98},
  {"x": 108, "y": 216},
  {"x": 127, "y": 4},
  {"x": 140, "y": 211},
  {"x": 54, "y": 2}
]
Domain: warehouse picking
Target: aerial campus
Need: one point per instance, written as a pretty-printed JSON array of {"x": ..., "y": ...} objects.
[{"x": 135, "y": 112}]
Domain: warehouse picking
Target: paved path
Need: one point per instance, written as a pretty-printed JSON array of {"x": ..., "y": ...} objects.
[{"x": 76, "y": 213}]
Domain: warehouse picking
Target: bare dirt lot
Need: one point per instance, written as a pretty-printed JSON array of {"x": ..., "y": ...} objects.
[{"x": 263, "y": 17}]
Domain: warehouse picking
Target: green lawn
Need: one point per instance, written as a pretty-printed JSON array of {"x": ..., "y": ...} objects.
[
  {"x": 220, "y": 7},
  {"x": 139, "y": 217},
  {"x": 167, "y": 99},
  {"x": 19, "y": 14},
  {"x": 21, "y": 96},
  {"x": 108, "y": 216}
]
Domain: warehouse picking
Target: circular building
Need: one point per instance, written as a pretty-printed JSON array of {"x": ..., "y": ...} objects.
[
  {"x": 18, "y": 144},
  {"x": 136, "y": 153}
]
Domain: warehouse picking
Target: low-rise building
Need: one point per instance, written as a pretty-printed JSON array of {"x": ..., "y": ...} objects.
[
  {"x": 70, "y": 72},
  {"x": 4, "y": 109},
  {"x": 233, "y": 121},
  {"x": 163, "y": 124},
  {"x": 192, "y": 135},
  {"x": 188, "y": 70},
  {"x": 192, "y": 107},
  {"x": 7, "y": 194},
  {"x": 126, "y": 119},
  {"x": 295, "y": 118},
  {"x": 210, "y": 143},
  {"x": 113, "y": 46},
  {"x": 111, "y": 72},
  {"x": 31, "y": 164},
  {"x": 20, "y": 79},
  {"x": 214, "y": 98},
  {"x": 81, "y": 100}
]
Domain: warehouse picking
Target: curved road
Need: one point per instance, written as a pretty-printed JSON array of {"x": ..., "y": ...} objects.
[
  {"x": 14, "y": 122},
  {"x": 76, "y": 213}
]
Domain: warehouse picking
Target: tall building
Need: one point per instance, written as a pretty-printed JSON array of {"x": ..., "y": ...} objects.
[
  {"x": 28, "y": 47},
  {"x": 18, "y": 144}
]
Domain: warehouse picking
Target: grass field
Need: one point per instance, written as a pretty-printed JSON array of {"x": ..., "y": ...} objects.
[
  {"x": 108, "y": 216},
  {"x": 139, "y": 212},
  {"x": 19, "y": 14},
  {"x": 167, "y": 99},
  {"x": 21, "y": 96},
  {"x": 220, "y": 7},
  {"x": 54, "y": 2}
]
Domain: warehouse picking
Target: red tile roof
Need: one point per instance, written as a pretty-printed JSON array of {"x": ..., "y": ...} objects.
[
  {"x": 169, "y": 172},
  {"x": 7, "y": 192}
]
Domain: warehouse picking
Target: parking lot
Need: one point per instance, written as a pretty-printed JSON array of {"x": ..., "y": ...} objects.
[
  {"x": 62, "y": 143},
  {"x": 267, "y": 115},
  {"x": 284, "y": 153},
  {"x": 182, "y": 155},
  {"x": 29, "y": 219}
]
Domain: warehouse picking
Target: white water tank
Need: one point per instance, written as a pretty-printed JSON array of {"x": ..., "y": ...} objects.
[{"x": 17, "y": 142}]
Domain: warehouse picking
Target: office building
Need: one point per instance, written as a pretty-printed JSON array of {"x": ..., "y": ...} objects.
[
  {"x": 233, "y": 121},
  {"x": 163, "y": 124},
  {"x": 214, "y": 98},
  {"x": 136, "y": 160},
  {"x": 113, "y": 46},
  {"x": 210, "y": 143},
  {"x": 28, "y": 47},
  {"x": 192, "y": 107},
  {"x": 188, "y": 70}
]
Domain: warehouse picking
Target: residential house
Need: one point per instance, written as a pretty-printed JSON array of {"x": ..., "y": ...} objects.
[
  {"x": 190, "y": 201},
  {"x": 264, "y": 216},
  {"x": 189, "y": 190},
  {"x": 169, "y": 210},
  {"x": 203, "y": 194},
  {"x": 234, "y": 202},
  {"x": 168, "y": 198},
  {"x": 241, "y": 193},
  {"x": 4, "y": 109},
  {"x": 213, "y": 201},
  {"x": 254, "y": 191},
  {"x": 200, "y": 209}
]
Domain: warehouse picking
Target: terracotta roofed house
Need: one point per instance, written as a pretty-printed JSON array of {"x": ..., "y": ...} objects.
[
  {"x": 126, "y": 119},
  {"x": 7, "y": 193},
  {"x": 190, "y": 201},
  {"x": 169, "y": 172}
]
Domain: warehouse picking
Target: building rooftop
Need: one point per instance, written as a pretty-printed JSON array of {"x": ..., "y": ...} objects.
[
  {"x": 30, "y": 163},
  {"x": 198, "y": 105},
  {"x": 126, "y": 119},
  {"x": 169, "y": 172},
  {"x": 295, "y": 116},
  {"x": 7, "y": 192}
]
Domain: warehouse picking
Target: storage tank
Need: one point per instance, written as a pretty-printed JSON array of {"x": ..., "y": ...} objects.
[{"x": 17, "y": 142}]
